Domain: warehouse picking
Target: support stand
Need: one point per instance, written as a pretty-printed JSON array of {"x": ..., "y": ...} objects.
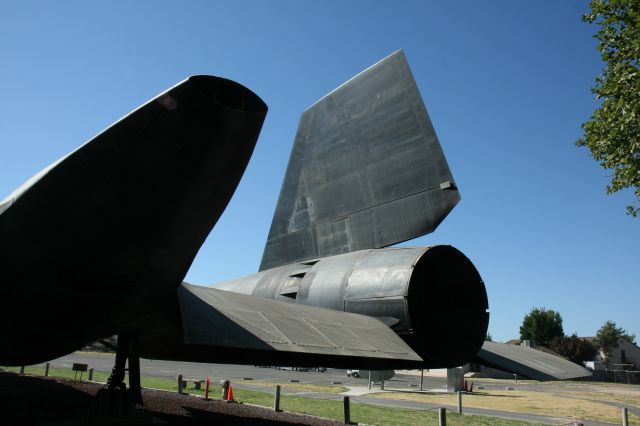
[
  {"x": 116, "y": 399},
  {"x": 116, "y": 379},
  {"x": 134, "y": 371}
]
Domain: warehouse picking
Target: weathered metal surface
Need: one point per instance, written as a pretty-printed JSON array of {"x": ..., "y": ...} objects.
[
  {"x": 366, "y": 171},
  {"x": 529, "y": 362},
  {"x": 221, "y": 326},
  {"x": 433, "y": 296},
  {"x": 99, "y": 241},
  {"x": 107, "y": 233}
]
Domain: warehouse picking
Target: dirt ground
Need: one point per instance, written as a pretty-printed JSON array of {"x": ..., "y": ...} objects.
[{"x": 27, "y": 400}]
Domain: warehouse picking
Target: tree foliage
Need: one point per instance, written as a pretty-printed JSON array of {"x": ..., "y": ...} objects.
[
  {"x": 541, "y": 325},
  {"x": 573, "y": 348},
  {"x": 607, "y": 339},
  {"x": 612, "y": 134}
]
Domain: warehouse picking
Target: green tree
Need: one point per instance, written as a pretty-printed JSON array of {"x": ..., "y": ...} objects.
[
  {"x": 541, "y": 325},
  {"x": 612, "y": 134},
  {"x": 607, "y": 339},
  {"x": 573, "y": 348}
]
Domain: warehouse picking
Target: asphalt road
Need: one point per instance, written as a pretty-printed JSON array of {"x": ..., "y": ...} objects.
[{"x": 171, "y": 369}]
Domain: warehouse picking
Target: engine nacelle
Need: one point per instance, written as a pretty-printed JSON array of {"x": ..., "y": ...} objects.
[{"x": 433, "y": 297}]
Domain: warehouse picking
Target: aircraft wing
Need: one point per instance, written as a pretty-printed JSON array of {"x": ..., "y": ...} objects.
[
  {"x": 222, "y": 326},
  {"x": 529, "y": 362},
  {"x": 102, "y": 238}
]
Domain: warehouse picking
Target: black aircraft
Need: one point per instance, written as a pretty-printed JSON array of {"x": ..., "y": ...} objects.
[{"x": 98, "y": 243}]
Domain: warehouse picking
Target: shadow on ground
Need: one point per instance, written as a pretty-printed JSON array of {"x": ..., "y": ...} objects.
[{"x": 29, "y": 400}]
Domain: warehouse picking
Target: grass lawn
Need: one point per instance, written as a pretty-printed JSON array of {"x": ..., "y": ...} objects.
[
  {"x": 368, "y": 414},
  {"x": 296, "y": 387},
  {"x": 575, "y": 405},
  {"x": 361, "y": 413}
]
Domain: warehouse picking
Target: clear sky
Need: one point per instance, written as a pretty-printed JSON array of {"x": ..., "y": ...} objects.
[{"x": 507, "y": 85}]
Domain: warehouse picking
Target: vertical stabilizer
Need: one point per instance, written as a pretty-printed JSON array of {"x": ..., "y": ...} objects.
[{"x": 366, "y": 171}]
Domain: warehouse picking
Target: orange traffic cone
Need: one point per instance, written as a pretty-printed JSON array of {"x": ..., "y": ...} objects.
[{"x": 230, "y": 394}]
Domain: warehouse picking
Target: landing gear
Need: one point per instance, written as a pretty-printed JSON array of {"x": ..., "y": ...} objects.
[
  {"x": 116, "y": 398},
  {"x": 116, "y": 379}
]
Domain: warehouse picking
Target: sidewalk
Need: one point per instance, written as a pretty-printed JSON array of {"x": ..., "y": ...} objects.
[{"x": 364, "y": 390}]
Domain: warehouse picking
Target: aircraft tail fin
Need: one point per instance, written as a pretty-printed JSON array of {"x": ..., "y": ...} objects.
[{"x": 366, "y": 171}]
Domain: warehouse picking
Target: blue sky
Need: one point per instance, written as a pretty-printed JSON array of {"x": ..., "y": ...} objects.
[{"x": 506, "y": 85}]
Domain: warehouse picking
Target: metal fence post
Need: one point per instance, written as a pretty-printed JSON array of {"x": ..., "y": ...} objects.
[
  {"x": 46, "y": 369},
  {"x": 347, "y": 410},
  {"x": 459, "y": 401},
  {"x": 90, "y": 378},
  {"x": 180, "y": 384},
  {"x": 442, "y": 416},
  {"x": 625, "y": 417},
  {"x": 369, "y": 379},
  {"x": 422, "y": 378},
  {"x": 276, "y": 402}
]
